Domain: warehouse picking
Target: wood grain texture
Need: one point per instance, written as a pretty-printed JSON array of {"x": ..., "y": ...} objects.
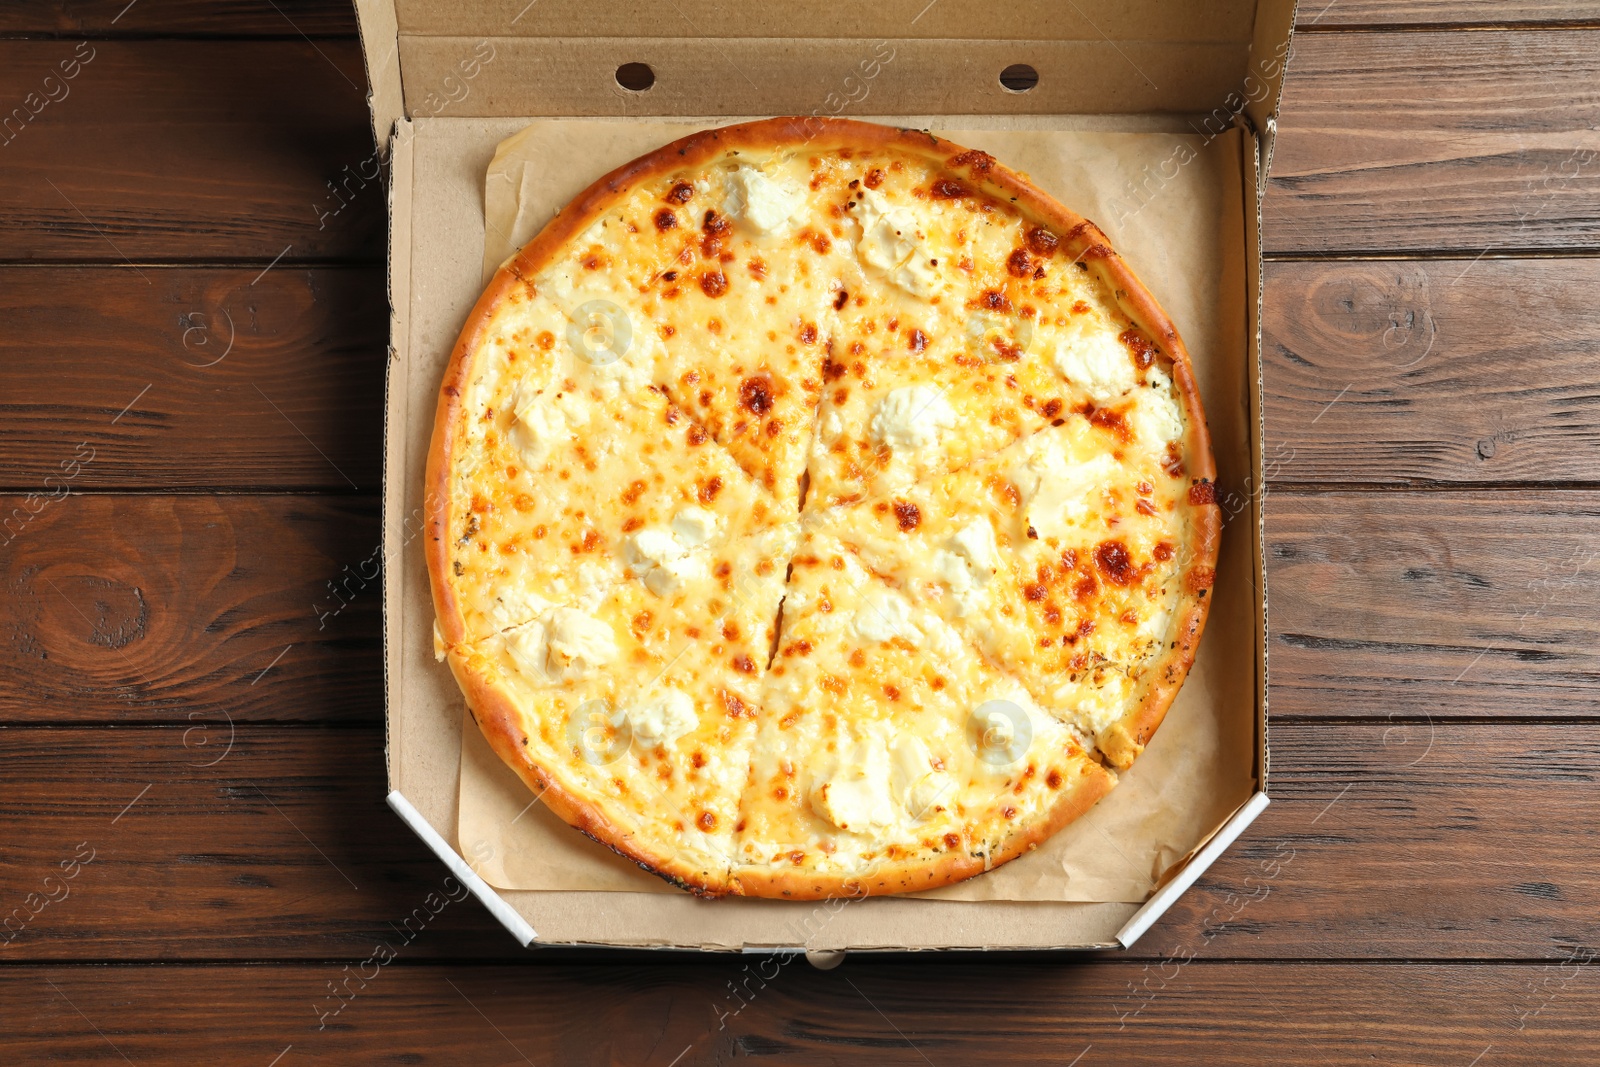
[
  {"x": 194, "y": 149},
  {"x": 1406, "y": 840},
  {"x": 1384, "y": 841},
  {"x": 175, "y": 377},
  {"x": 208, "y": 841},
  {"x": 1318, "y": 15},
  {"x": 190, "y": 609},
  {"x": 687, "y": 1012},
  {"x": 171, "y": 18},
  {"x": 1434, "y": 604},
  {"x": 1413, "y": 142},
  {"x": 1403, "y": 372}
]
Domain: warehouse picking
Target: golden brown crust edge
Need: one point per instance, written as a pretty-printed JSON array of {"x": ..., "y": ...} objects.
[
  {"x": 1121, "y": 743},
  {"x": 915, "y": 875},
  {"x": 496, "y": 716},
  {"x": 1124, "y": 740}
]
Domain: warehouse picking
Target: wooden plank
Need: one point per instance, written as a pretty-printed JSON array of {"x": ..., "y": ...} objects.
[
  {"x": 1406, "y": 840},
  {"x": 207, "y": 841},
  {"x": 1406, "y": 371},
  {"x": 190, "y": 609},
  {"x": 1436, "y": 604},
  {"x": 119, "y": 151},
  {"x": 1441, "y": 840},
  {"x": 242, "y": 18},
  {"x": 684, "y": 1012},
  {"x": 192, "y": 377},
  {"x": 1318, "y": 15},
  {"x": 1440, "y": 140}
]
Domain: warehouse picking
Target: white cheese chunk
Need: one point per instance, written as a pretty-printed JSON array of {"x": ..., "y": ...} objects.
[
  {"x": 831, "y": 427},
  {"x": 1058, "y": 494},
  {"x": 1156, "y": 417},
  {"x": 593, "y": 584},
  {"x": 662, "y": 719},
  {"x": 578, "y": 644},
  {"x": 766, "y": 206},
  {"x": 886, "y": 615},
  {"x": 967, "y": 565},
  {"x": 953, "y": 571},
  {"x": 651, "y": 547},
  {"x": 1153, "y": 627},
  {"x": 563, "y": 646},
  {"x": 544, "y": 423},
  {"x": 694, "y": 526},
  {"x": 969, "y": 596},
  {"x": 891, "y": 242},
  {"x": 514, "y": 605},
  {"x": 975, "y": 541},
  {"x": 1096, "y": 362},
  {"x": 528, "y": 644},
  {"x": 1097, "y": 707},
  {"x": 666, "y": 560},
  {"x": 912, "y": 418},
  {"x": 856, "y": 797},
  {"x": 922, "y": 790}
]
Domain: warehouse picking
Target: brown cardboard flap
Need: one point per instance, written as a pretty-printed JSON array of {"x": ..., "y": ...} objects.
[
  {"x": 380, "y": 47},
  {"x": 756, "y": 76},
  {"x": 1216, "y": 60},
  {"x": 1039, "y": 20}
]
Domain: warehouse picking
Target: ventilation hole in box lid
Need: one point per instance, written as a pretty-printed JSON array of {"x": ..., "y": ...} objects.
[
  {"x": 1019, "y": 78},
  {"x": 635, "y": 77}
]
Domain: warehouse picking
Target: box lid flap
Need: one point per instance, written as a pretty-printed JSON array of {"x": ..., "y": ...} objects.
[{"x": 484, "y": 58}]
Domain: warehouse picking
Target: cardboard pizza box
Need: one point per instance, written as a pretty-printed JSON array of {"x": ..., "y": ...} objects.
[{"x": 1155, "y": 119}]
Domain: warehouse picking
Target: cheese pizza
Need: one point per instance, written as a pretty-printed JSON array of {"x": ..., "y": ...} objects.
[{"x": 819, "y": 509}]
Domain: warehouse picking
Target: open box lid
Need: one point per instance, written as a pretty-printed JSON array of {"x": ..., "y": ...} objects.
[{"x": 1217, "y": 59}]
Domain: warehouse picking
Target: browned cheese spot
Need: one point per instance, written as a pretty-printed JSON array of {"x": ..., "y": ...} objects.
[
  {"x": 713, "y": 283},
  {"x": 1113, "y": 561},
  {"x": 756, "y": 394}
]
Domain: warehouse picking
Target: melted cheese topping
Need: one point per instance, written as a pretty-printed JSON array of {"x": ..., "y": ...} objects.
[{"x": 814, "y": 512}]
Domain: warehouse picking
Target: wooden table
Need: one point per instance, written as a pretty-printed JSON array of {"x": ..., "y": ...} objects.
[{"x": 191, "y": 756}]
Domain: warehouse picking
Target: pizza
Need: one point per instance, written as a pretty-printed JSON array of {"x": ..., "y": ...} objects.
[{"x": 819, "y": 509}]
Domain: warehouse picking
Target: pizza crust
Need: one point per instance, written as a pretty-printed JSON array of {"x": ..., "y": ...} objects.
[
  {"x": 915, "y": 875},
  {"x": 1119, "y": 744},
  {"x": 494, "y": 712}
]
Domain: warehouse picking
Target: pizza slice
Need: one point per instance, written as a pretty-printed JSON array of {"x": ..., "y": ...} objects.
[
  {"x": 591, "y": 486},
  {"x": 965, "y": 326},
  {"x": 1059, "y": 557},
  {"x": 627, "y": 703},
  {"x": 741, "y": 308},
  {"x": 876, "y": 768}
]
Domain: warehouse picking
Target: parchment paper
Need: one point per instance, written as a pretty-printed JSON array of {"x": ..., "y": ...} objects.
[{"x": 1171, "y": 203}]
